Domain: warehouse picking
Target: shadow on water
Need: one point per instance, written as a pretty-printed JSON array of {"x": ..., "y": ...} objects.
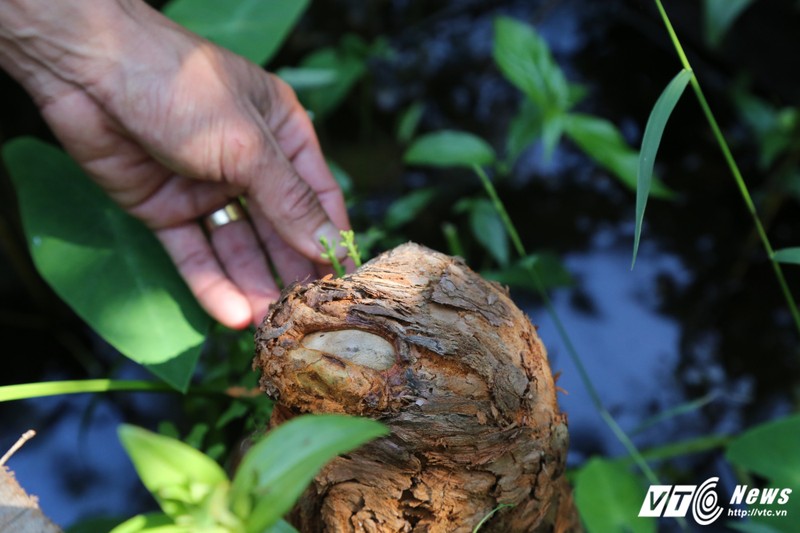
[{"x": 700, "y": 316}]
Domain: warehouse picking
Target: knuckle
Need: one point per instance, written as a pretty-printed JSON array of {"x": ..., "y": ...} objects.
[{"x": 298, "y": 200}]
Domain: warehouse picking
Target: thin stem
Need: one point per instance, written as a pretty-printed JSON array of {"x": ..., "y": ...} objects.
[
  {"x": 734, "y": 168},
  {"x": 26, "y": 391},
  {"x": 594, "y": 396},
  {"x": 28, "y": 435}
]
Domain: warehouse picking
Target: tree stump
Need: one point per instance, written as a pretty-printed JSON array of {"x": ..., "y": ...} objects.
[{"x": 417, "y": 340}]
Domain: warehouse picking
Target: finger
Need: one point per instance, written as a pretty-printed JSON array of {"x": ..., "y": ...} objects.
[
  {"x": 289, "y": 263},
  {"x": 245, "y": 262},
  {"x": 275, "y": 190},
  {"x": 294, "y": 133},
  {"x": 192, "y": 254}
]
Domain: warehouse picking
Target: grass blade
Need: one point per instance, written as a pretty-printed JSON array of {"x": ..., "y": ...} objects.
[
  {"x": 787, "y": 255},
  {"x": 650, "y": 142}
]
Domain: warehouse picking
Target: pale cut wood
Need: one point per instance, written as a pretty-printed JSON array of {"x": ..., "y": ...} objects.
[
  {"x": 19, "y": 512},
  {"x": 468, "y": 395}
]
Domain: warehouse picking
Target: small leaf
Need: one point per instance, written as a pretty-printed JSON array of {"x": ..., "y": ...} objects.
[
  {"x": 609, "y": 497},
  {"x": 603, "y": 142},
  {"x": 719, "y": 15},
  {"x": 274, "y": 472},
  {"x": 409, "y": 122},
  {"x": 488, "y": 229},
  {"x": 525, "y": 60},
  {"x": 307, "y": 78},
  {"x": 549, "y": 268},
  {"x": 174, "y": 472},
  {"x": 525, "y": 128},
  {"x": 449, "y": 149},
  {"x": 105, "y": 264},
  {"x": 650, "y": 143},
  {"x": 251, "y": 28},
  {"x": 770, "y": 450},
  {"x": 149, "y": 523},
  {"x": 347, "y": 61},
  {"x": 788, "y": 255},
  {"x": 406, "y": 208}
]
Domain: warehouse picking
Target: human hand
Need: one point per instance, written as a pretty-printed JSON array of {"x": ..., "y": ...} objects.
[{"x": 173, "y": 128}]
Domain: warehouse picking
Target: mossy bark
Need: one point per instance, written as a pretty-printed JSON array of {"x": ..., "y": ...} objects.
[{"x": 463, "y": 383}]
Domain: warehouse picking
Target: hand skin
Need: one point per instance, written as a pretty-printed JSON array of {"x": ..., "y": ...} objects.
[{"x": 174, "y": 127}]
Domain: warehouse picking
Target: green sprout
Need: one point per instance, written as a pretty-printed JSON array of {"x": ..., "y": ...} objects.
[
  {"x": 329, "y": 253},
  {"x": 349, "y": 242}
]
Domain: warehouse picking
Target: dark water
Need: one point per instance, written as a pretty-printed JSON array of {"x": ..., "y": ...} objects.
[{"x": 700, "y": 316}]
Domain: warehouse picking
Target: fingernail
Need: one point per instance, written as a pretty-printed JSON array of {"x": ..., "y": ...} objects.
[{"x": 331, "y": 233}]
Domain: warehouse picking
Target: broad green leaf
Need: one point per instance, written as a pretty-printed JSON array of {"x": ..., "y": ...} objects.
[
  {"x": 449, "y": 148},
  {"x": 304, "y": 79},
  {"x": 551, "y": 271},
  {"x": 254, "y": 29},
  {"x": 525, "y": 128},
  {"x": 406, "y": 208},
  {"x": 603, "y": 142},
  {"x": 650, "y": 143},
  {"x": 274, "y": 472},
  {"x": 488, "y": 229},
  {"x": 609, "y": 497},
  {"x": 525, "y": 60},
  {"x": 177, "y": 475},
  {"x": 105, "y": 264},
  {"x": 718, "y": 16},
  {"x": 788, "y": 255},
  {"x": 149, "y": 523},
  {"x": 349, "y": 63},
  {"x": 771, "y": 450}
]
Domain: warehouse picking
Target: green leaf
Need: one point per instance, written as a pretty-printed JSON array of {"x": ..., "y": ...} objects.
[
  {"x": 650, "y": 143},
  {"x": 525, "y": 128},
  {"x": 449, "y": 148},
  {"x": 718, "y": 17},
  {"x": 488, "y": 229},
  {"x": 149, "y": 523},
  {"x": 274, "y": 472},
  {"x": 788, "y": 255},
  {"x": 281, "y": 526},
  {"x": 254, "y": 29},
  {"x": 609, "y": 497},
  {"x": 105, "y": 264},
  {"x": 489, "y": 515},
  {"x": 552, "y": 128},
  {"x": 603, "y": 142},
  {"x": 409, "y": 121},
  {"x": 347, "y": 61},
  {"x": 551, "y": 271},
  {"x": 525, "y": 60},
  {"x": 306, "y": 78},
  {"x": 406, "y": 208},
  {"x": 177, "y": 475},
  {"x": 771, "y": 450}
]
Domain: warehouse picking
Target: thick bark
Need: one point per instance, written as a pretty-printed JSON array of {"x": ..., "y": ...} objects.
[{"x": 419, "y": 341}]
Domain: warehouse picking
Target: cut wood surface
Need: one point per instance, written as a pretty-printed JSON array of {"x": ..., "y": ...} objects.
[
  {"x": 417, "y": 340},
  {"x": 19, "y": 512}
]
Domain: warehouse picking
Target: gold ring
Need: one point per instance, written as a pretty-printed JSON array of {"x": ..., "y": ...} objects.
[{"x": 224, "y": 216}]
